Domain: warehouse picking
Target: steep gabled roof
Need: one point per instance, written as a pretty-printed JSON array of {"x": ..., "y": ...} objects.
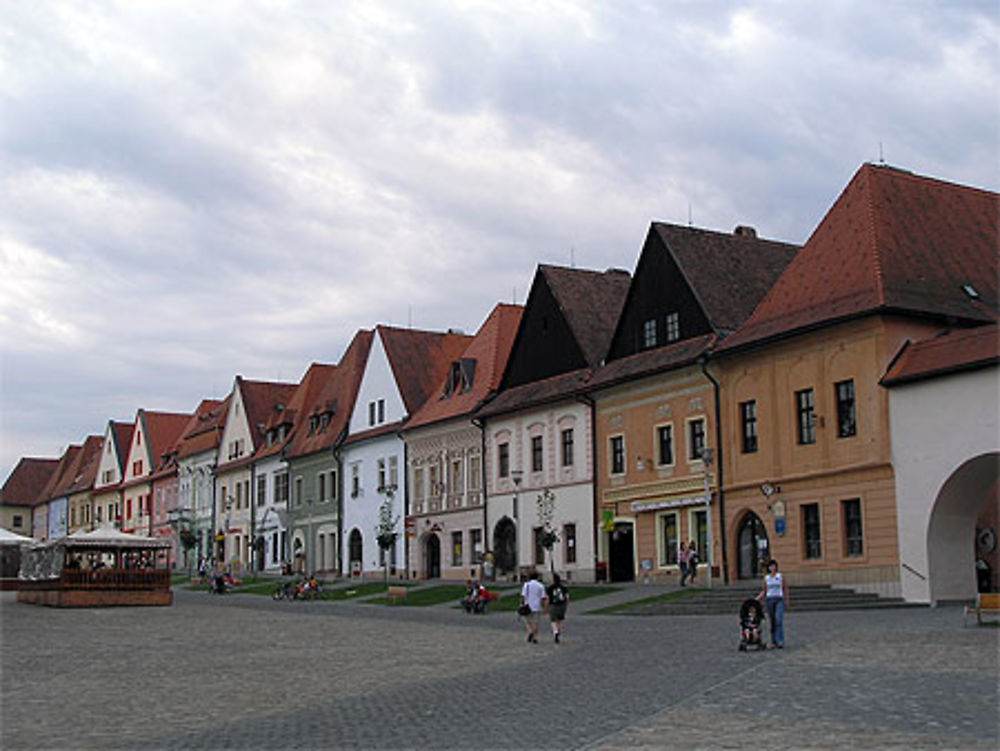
[
  {"x": 162, "y": 431},
  {"x": 591, "y": 302},
  {"x": 25, "y": 484},
  {"x": 122, "y": 434},
  {"x": 260, "y": 398},
  {"x": 419, "y": 360},
  {"x": 337, "y": 395},
  {"x": 84, "y": 469},
  {"x": 302, "y": 404},
  {"x": 483, "y": 360},
  {"x": 729, "y": 273},
  {"x": 893, "y": 242},
  {"x": 955, "y": 352},
  {"x": 61, "y": 477},
  {"x": 204, "y": 430}
]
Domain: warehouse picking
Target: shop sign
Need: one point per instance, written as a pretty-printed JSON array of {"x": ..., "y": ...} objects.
[
  {"x": 608, "y": 520},
  {"x": 671, "y": 503}
]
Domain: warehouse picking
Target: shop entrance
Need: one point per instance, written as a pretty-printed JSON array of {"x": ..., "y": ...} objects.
[
  {"x": 432, "y": 557},
  {"x": 754, "y": 549},
  {"x": 505, "y": 545},
  {"x": 621, "y": 552}
]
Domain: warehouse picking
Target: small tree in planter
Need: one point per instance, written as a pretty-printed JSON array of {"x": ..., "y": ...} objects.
[
  {"x": 188, "y": 540},
  {"x": 386, "y": 534},
  {"x": 546, "y": 510}
]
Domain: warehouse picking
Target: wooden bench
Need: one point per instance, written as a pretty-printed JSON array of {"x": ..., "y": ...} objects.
[
  {"x": 395, "y": 594},
  {"x": 987, "y": 603}
]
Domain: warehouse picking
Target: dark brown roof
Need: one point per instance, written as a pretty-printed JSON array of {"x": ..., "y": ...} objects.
[
  {"x": 338, "y": 394},
  {"x": 123, "y": 440},
  {"x": 677, "y": 355},
  {"x": 729, "y": 273},
  {"x": 161, "y": 431},
  {"x": 957, "y": 351},
  {"x": 25, "y": 484},
  {"x": 892, "y": 242},
  {"x": 486, "y": 356},
  {"x": 556, "y": 388},
  {"x": 419, "y": 360},
  {"x": 591, "y": 302},
  {"x": 296, "y": 414},
  {"x": 259, "y": 399}
]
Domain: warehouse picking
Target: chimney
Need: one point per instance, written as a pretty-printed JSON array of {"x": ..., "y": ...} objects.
[{"x": 745, "y": 230}]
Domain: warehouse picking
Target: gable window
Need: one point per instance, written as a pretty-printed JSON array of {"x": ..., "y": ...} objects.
[
  {"x": 567, "y": 447},
  {"x": 854, "y": 541},
  {"x": 381, "y": 411},
  {"x": 847, "y": 424},
  {"x": 673, "y": 326},
  {"x": 371, "y": 413},
  {"x": 748, "y": 419},
  {"x": 811, "y": 530},
  {"x": 806, "y": 412},
  {"x": 137, "y": 467},
  {"x": 536, "y": 453},
  {"x": 649, "y": 333},
  {"x": 665, "y": 445},
  {"x": 618, "y": 455},
  {"x": 503, "y": 459},
  {"x": 696, "y": 438}
]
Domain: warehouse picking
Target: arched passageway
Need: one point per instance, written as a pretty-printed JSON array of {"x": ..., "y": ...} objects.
[
  {"x": 752, "y": 547},
  {"x": 505, "y": 545},
  {"x": 964, "y": 498}
]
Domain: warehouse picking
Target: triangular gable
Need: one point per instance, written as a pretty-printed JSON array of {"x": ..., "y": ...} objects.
[
  {"x": 114, "y": 453},
  {"x": 154, "y": 434},
  {"x": 567, "y": 323},
  {"x": 250, "y": 404},
  {"x": 893, "y": 242}
]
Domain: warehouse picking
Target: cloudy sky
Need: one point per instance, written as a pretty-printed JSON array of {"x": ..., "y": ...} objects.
[{"x": 192, "y": 190}]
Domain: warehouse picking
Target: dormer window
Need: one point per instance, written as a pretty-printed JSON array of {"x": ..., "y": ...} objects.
[
  {"x": 649, "y": 333},
  {"x": 313, "y": 424},
  {"x": 324, "y": 421},
  {"x": 971, "y": 291}
]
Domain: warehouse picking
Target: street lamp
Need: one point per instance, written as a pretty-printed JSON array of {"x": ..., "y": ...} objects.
[{"x": 707, "y": 455}]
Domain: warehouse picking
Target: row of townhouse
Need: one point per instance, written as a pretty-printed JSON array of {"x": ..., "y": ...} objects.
[{"x": 832, "y": 405}]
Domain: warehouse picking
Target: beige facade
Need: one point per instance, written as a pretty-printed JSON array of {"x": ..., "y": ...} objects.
[
  {"x": 834, "y": 485},
  {"x": 652, "y": 496},
  {"x": 16, "y": 519}
]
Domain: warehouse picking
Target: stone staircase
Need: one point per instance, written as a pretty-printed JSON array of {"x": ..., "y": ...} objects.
[{"x": 727, "y": 600}]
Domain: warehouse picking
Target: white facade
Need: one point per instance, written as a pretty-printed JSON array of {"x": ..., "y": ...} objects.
[
  {"x": 233, "y": 485},
  {"x": 533, "y": 435},
  {"x": 270, "y": 510},
  {"x": 136, "y": 496},
  {"x": 945, "y": 446},
  {"x": 196, "y": 492},
  {"x": 373, "y": 468}
]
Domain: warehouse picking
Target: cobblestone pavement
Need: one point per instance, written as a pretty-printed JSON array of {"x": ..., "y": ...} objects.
[{"x": 245, "y": 672}]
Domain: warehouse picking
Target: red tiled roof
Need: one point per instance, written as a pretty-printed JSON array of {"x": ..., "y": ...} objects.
[
  {"x": 892, "y": 242},
  {"x": 296, "y": 413},
  {"x": 957, "y": 351},
  {"x": 161, "y": 431},
  {"x": 25, "y": 484},
  {"x": 85, "y": 467},
  {"x": 419, "y": 360},
  {"x": 204, "y": 430},
  {"x": 729, "y": 273},
  {"x": 123, "y": 439},
  {"x": 61, "y": 477},
  {"x": 487, "y": 352},
  {"x": 338, "y": 394},
  {"x": 591, "y": 302},
  {"x": 259, "y": 399}
]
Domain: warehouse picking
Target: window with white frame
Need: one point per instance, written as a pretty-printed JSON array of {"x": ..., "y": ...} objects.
[
  {"x": 669, "y": 534},
  {"x": 536, "y": 453},
  {"x": 418, "y": 483},
  {"x": 457, "y": 484},
  {"x": 649, "y": 333},
  {"x": 394, "y": 471},
  {"x": 696, "y": 438},
  {"x": 664, "y": 445},
  {"x": 617, "y": 447},
  {"x": 475, "y": 472},
  {"x": 673, "y": 326},
  {"x": 503, "y": 459},
  {"x": 567, "y": 447}
]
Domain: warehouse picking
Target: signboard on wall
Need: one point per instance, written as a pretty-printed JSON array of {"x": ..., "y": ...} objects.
[{"x": 608, "y": 521}]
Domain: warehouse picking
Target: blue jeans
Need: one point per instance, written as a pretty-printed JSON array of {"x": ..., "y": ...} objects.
[{"x": 776, "y": 612}]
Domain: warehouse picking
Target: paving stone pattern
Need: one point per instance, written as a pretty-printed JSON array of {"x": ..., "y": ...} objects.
[{"x": 246, "y": 672}]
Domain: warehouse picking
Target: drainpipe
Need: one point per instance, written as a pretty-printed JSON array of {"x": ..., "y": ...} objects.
[
  {"x": 253, "y": 518},
  {"x": 703, "y": 362},
  {"x": 340, "y": 511},
  {"x": 595, "y": 498},
  {"x": 482, "y": 484},
  {"x": 406, "y": 505}
]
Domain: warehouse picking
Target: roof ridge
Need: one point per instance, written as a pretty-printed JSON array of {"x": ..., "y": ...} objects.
[{"x": 873, "y": 228}]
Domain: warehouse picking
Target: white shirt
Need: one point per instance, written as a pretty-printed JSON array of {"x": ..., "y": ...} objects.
[
  {"x": 773, "y": 585},
  {"x": 533, "y": 592}
]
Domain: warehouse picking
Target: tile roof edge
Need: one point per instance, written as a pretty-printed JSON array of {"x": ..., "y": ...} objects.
[{"x": 937, "y": 372}]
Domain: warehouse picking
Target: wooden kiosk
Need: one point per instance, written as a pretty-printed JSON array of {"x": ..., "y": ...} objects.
[{"x": 104, "y": 567}]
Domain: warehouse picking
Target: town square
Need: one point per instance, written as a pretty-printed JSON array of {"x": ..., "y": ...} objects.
[{"x": 242, "y": 671}]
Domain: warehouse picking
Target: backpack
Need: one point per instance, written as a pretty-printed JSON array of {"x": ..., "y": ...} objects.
[{"x": 558, "y": 595}]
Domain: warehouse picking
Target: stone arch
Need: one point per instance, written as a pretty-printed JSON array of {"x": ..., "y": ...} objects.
[{"x": 951, "y": 530}]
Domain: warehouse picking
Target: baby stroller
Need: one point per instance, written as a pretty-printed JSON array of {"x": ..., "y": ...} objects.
[{"x": 751, "y": 633}]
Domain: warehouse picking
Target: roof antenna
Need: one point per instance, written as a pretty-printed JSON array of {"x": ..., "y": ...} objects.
[
  {"x": 689, "y": 214},
  {"x": 881, "y": 158}
]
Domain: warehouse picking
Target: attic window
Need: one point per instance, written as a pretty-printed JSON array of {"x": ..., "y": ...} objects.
[
  {"x": 313, "y": 424},
  {"x": 460, "y": 376},
  {"x": 971, "y": 291},
  {"x": 324, "y": 421}
]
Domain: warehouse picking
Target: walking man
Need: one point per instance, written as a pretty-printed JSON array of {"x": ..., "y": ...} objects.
[{"x": 533, "y": 600}]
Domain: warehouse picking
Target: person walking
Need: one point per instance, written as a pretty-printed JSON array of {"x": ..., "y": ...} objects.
[
  {"x": 558, "y": 597},
  {"x": 533, "y": 601},
  {"x": 682, "y": 561},
  {"x": 692, "y": 560},
  {"x": 775, "y": 597}
]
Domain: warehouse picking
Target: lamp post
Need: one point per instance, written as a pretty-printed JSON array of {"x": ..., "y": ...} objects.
[
  {"x": 309, "y": 541},
  {"x": 707, "y": 455}
]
